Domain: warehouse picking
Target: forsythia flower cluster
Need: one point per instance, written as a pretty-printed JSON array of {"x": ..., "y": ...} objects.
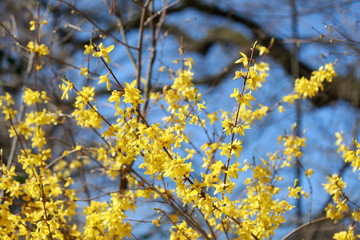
[
  {"x": 310, "y": 87},
  {"x": 156, "y": 160},
  {"x": 40, "y": 49}
]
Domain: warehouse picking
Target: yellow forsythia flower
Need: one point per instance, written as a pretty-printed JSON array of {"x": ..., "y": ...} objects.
[
  {"x": 33, "y": 24},
  {"x": 132, "y": 94},
  {"x": 309, "y": 172},
  {"x": 41, "y": 49},
  {"x": 66, "y": 87},
  {"x": 88, "y": 49},
  {"x": 103, "y": 52},
  {"x": 105, "y": 79}
]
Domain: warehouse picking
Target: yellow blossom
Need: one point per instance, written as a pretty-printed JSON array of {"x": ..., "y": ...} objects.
[
  {"x": 84, "y": 72},
  {"x": 345, "y": 235},
  {"x": 281, "y": 109},
  {"x": 38, "y": 139},
  {"x": 23, "y": 129},
  {"x": 66, "y": 87},
  {"x": 115, "y": 97},
  {"x": 212, "y": 117},
  {"x": 41, "y": 49},
  {"x": 89, "y": 49},
  {"x": 352, "y": 156},
  {"x": 132, "y": 94},
  {"x": 38, "y": 67},
  {"x": 244, "y": 60},
  {"x": 103, "y": 52},
  {"x": 239, "y": 74},
  {"x": 201, "y": 106},
  {"x": 162, "y": 68},
  {"x": 309, "y": 172},
  {"x": 310, "y": 87},
  {"x": 306, "y": 88},
  {"x": 8, "y": 112},
  {"x": 156, "y": 222},
  {"x": 233, "y": 170},
  {"x": 242, "y": 98},
  {"x": 33, "y": 24},
  {"x": 335, "y": 185},
  {"x": 7, "y": 98},
  {"x": 290, "y": 98},
  {"x": 294, "y": 191},
  {"x": 262, "y": 50},
  {"x": 105, "y": 79},
  {"x": 31, "y": 97}
]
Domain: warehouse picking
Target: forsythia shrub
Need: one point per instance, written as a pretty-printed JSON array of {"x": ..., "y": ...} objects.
[{"x": 148, "y": 156}]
